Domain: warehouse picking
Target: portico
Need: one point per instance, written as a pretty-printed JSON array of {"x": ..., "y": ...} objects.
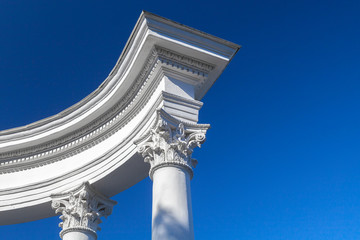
[{"x": 141, "y": 122}]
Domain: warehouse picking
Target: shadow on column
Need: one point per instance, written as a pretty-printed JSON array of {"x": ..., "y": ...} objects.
[{"x": 166, "y": 227}]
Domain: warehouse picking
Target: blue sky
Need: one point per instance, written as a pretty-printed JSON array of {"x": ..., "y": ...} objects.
[{"x": 281, "y": 160}]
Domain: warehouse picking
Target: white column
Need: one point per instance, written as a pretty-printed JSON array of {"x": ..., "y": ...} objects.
[
  {"x": 81, "y": 210},
  {"x": 168, "y": 147},
  {"x": 79, "y": 234},
  {"x": 172, "y": 212}
]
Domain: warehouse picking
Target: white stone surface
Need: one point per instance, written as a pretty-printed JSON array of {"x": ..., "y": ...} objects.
[
  {"x": 81, "y": 210},
  {"x": 78, "y": 235},
  {"x": 165, "y": 65},
  {"x": 168, "y": 148},
  {"x": 171, "y": 209}
]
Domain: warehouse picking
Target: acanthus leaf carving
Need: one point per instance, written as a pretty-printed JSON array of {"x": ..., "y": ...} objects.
[
  {"x": 81, "y": 209},
  {"x": 171, "y": 143}
]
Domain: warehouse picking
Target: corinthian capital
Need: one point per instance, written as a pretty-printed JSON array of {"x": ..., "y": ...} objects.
[
  {"x": 81, "y": 209},
  {"x": 171, "y": 142}
]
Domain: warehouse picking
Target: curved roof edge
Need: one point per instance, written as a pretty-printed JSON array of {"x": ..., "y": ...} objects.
[{"x": 164, "y": 65}]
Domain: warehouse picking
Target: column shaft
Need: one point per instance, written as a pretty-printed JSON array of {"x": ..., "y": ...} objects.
[
  {"x": 79, "y": 236},
  {"x": 172, "y": 211},
  {"x": 168, "y": 147}
]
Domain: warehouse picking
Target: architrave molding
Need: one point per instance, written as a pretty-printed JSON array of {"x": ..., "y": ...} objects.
[{"x": 99, "y": 129}]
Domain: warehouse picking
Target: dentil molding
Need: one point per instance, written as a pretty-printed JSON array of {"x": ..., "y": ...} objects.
[
  {"x": 110, "y": 122},
  {"x": 164, "y": 65}
]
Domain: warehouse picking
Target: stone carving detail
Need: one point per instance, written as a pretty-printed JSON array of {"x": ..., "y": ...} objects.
[
  {"x": 180, "y": 58},
  {"x": 103, "y": 127},
  {"x": 171, "y": 144},
  {"x": 81, "y": 209}
]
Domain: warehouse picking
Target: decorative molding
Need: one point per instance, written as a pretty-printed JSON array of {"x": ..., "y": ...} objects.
[
  {"x": 180, "y": 58},
  {"x": 171, "y": 142},
  {"x": 103, "y": 158},
  {"x": 184, "y": 33},
  {"x": 181, "y": 100},
  {"x": 81, "y": 209},
  {"x": 104, "y": 126},
  {"x": 94, "y": 127},
  {"x": 85, "y": 230},
  {"x": 160, "y": 55}
]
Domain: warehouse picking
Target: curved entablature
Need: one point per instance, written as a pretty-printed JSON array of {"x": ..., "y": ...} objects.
[{"x": 164, "y": 65}]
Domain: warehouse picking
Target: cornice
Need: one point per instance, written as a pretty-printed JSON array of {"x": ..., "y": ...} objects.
[
  {"x": 163, "y": 65},
  {"x": 185, "y": 60},
  {"x": 190, "y": 35},
  {"x": 91, "y": 131},
  {"x": 159, "y": 31},
  {"x": 104, "y": 126}
]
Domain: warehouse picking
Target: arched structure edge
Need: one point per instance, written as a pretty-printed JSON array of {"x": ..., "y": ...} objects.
[{"x": 163, "y": 65}]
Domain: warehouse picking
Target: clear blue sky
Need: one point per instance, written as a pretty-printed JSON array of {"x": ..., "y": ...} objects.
[{"x": 282, "y": 159}]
